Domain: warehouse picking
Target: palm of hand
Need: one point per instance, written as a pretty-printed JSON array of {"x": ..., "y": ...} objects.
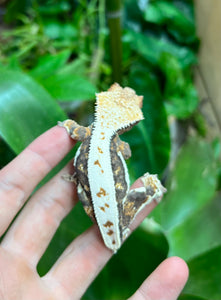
[{"x": 28, "y": 237}]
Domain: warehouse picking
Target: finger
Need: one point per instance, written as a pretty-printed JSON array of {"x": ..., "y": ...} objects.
[
  {"x": 79, "y": 264},
  {"x": 33, "y": 229},
  {"x": 165, "y": 283},
  {"x": 18, "y": 178},
  {"x": 82, "y": 260}
]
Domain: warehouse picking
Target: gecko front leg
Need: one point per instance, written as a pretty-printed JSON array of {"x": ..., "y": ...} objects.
[{"x": 76, "y": 131}]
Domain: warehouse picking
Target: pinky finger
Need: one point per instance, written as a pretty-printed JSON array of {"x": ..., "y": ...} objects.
[{"x": 165, "y": 283}]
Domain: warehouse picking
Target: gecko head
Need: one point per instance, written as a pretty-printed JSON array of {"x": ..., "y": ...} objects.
[{"x": 118, "y": 108}]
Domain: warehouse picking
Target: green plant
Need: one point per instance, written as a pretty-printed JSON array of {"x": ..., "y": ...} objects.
[{"x": 54, "y": 57}]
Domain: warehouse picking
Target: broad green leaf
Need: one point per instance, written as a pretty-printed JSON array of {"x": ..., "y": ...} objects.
[
  {"x": 76, "y": 67},
  {"x": 49, "y": 64},
  {"x": 163, "y": 12},
  {"x": 151, "y": 48},
  {"x": 26, "y": 109},
  {"x": 149, "y": 140},
  {"x": 66, "y": 87},
  {"x": 205, "y": 274},
  {"x": 198, "y": 233},
  {"x": 191, "y": 185}
]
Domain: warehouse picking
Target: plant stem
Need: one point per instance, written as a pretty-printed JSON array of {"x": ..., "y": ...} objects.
[
  {"x": 99, "y": 50},
  {"x": 114, "y": 24}
]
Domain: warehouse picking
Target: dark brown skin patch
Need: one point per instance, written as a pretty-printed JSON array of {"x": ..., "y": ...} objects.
[
  {"x": 121, "y": 187},
  {"x": 113, "y": 242},
  {"x": 118, "y": 171},
  {"x": 124, "y": 148},
  {"x": 86, "y": 202},
  {"x": 82, "y": 179},
  {"x": 110, "y": 232},
  {"x": 102, "y": 208},
  {"x": 102, "y": 192},
  {"x": 108, "y": 224}
]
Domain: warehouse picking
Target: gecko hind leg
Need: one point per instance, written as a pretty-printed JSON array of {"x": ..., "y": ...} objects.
[
  {"x": 138, "y": 198},
  {"x": 76, "y": 132}
]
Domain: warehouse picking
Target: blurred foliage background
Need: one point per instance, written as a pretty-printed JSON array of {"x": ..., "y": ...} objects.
[{"x": 54, "y": 56}]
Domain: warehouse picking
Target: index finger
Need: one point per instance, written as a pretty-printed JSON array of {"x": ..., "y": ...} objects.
[{"x": 20, "y": 176}]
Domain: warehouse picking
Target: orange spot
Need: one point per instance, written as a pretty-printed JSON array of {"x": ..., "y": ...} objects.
[
  {"x": 102, "y": 208},
  {"x": 107, "y": 205},
  {"x": 99, "y": 149},
  {"x": 108, "y": 224},
  {"x": 110, "y": 232},
  {"x": 102, "y": 192},
  {"x": 113, "y": 242},
  {"x": 97, "y": 163}
]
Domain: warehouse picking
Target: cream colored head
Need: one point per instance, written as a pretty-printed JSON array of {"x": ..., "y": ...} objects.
[{"x": 118, "y": 108}]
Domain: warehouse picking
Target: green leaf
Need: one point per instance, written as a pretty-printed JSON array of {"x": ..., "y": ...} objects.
[
  {"x": 26, "y": 109},
  {"x": 191, "y": 185},
  {"x": 179, "y": 92},
  {"x": 163, "y": 12},
  {"x": 65, "y": 87},
  {"x": 191, "y": 297},
  {"x": 198, "y": 233},
  {"x": 76, "y": 67},
  {"x": 54, "y": 8},
  {"x": 149, "y": 140},
  {"x": 49, "y": 64},
  {"x": 151, "y": 48},
  {"x": 205, "y": 274},
  {"x": 55, "y": 29}
]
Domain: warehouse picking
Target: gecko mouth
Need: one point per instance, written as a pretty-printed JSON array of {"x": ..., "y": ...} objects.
[{"x": 128, "y": 127}]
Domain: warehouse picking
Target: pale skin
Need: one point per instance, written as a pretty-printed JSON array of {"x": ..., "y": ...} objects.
[{"x": 28, "y": 237}]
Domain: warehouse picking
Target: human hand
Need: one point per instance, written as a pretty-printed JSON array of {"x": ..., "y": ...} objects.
[{"x": 29, "y": 235}]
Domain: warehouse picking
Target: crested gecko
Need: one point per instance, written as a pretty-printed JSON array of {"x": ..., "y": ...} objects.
[{"x": 101, "y": 173}]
